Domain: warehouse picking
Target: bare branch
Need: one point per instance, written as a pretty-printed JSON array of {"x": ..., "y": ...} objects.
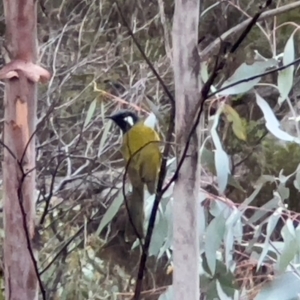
[{"x": 205, "y": 53}]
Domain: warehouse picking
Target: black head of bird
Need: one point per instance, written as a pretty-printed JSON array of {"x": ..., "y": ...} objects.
[{"x": 125, "y": 119}]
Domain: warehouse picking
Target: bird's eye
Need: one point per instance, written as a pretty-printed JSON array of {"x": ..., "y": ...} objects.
[{"x": 129, "y": 120}]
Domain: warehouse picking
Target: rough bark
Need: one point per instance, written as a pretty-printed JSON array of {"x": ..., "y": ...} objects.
[
  {"x": 20, "y": 116},
  {"x": 186, "y": 192}
]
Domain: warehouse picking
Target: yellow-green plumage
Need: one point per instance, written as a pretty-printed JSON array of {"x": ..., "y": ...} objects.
[
  {"x": 140, "y": 150},
  {"x": 141, "y": 153}
]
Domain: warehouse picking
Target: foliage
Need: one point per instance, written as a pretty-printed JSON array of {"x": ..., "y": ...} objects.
[{"x": 247, "y": 250}]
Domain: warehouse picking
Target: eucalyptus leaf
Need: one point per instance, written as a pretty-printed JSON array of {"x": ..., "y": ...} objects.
[
  {"x": 234, "y": 224},
  {"x": 283, "y": 179},
  {"x": 249, "y": 199},
  {"x": 208, "y": 159},
  {"x": 168, "y": 217},
  {"x": 237, "y": 124},
  {"x": 222, "y": 295},
  {"x": 214, "y": 134},
  {"x": 297, "y": 179},
  {"x": 288, "y": 253},
  {"x": 90, "y": 112},
  {"x": 284, "y": 287},
  {"x": 244, "y": 72},
  {"x": 204, "y": 71},
  {"x": 288, "y": 230},
  {"x": 286, "y": 76},
  {"x": 214, "y": 235},
  {"x": 289, "y": 51},
  {"x": 274, "y": 250},
  {"x": 222, "y": 168},
  {"x": 283, "y": 191},
  {"x": 229, "y": 241},
  {"x": 264, "y": 209},
  {"x": 218, "y": 208},
  {"x": 204, "y": 74},
  {"x": 111, "y": 212},
  {"x": 272, "y": 123},
  {"x": 297, "y": 237},
  {"x": 158, "y": 237},
  {"x": 226, "y": 279},
  {"x": 104, "y": 137},
  {"x": 272, "y": 222},
  {"x": 285, "y": 80},
  {"x": 221, "y": 158}
]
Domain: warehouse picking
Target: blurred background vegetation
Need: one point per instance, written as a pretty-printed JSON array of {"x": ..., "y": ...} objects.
[{"x": 97, "y": 69}]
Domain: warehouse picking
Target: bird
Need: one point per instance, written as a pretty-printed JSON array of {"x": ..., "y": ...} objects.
[{"x": 141, "y": 152}]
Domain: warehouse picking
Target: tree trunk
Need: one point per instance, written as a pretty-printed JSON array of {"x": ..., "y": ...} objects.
[
  {"x": 186, "y": 192},
  {"x": 19, "y": 154}
]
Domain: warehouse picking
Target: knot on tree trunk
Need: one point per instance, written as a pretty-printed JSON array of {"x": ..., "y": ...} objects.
[{"x": 31, "y": 71}]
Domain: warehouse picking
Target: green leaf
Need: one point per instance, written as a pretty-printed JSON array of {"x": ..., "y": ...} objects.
[
  {"x": 208, "y": 159},
  {"x": 168, "y": 216},
  {"x": 272, "y": 249},
  {"x": 222, "y": 168},
  {"x": 204, "y": 74},
  {"x": 228, "y": 241},
  {"x": 297, "y": 179},
  {"x": 221, "y": 293},
  {"x": 286, "y": 76},
  {"x": 284, "y": 287},
  {"x": 243, "y": 72},
  {"x": 297, "y": 236},
  {"x": 260, "y": 213},
  {"x": 204, "y": 71},
  {"x": 237, "y": 124},
  {"x": 225, "y": 278},
  {"x": 158, "y": 237},
  {"x": 283, "y": 191},
  {"x": 214, "y": 133},
  {"x": 288, "y": 253},
  {"x": 272, "y": 123},
  {"x": 214, "y": 235},
  {"x": 90, "y": 112},
  {"x": 111, "y": 212},
  {"x": 285, "y": 80},
  {"x": 290, "y": 246},
  {"x": 218, "y": 208},
  {"x": 289, "y": 51},
  {"x": 104, "y": 137},
  {"x": 221, "y": 158},
  {"x": 272, "y": 222},
  {"x": 234, "y": 230},
  {"x": 283, "y": 179}
]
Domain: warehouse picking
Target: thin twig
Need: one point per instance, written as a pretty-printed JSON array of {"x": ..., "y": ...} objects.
[{"x": 205, "y": 53}]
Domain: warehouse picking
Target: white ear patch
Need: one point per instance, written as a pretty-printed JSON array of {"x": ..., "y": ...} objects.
[{"x": 129, "y": 120}]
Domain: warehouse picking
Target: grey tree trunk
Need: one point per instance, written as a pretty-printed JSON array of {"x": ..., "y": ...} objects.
[{"x": 186, "y": 192}]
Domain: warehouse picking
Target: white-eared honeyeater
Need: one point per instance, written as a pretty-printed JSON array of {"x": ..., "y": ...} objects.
[{"x": 141, "y": 152}]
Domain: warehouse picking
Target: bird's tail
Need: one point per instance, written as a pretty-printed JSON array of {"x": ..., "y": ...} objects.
[{"x": 135, "y": 221}]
